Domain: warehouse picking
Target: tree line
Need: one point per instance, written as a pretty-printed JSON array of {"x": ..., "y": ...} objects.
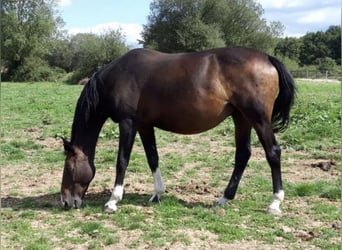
[
  {"x": 34, "y": 46},
  {"x": 319, "y": 50}
]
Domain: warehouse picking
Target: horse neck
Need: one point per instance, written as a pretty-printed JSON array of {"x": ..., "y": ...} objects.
[{"x": 85, "y": 135}]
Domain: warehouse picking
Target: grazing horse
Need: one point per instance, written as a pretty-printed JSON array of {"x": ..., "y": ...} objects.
[{"x": 184, "y": 93}]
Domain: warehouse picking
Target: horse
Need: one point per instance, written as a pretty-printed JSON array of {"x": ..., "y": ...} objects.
[{"x": 184, "y": 93}]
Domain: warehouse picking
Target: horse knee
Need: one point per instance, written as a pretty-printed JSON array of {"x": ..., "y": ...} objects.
[
  {"x": 246, "y": 153},
  {"x": 273, "y": 155},
  {"x": 242, "y": 155}
]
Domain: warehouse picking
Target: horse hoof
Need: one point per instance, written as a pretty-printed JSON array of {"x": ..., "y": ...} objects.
[
  {"x": 155, "y": 199},
  {"x": 274, "y": 211},
  {"x": 221, "y": 202},
  {"x": 110, "y": 208}
]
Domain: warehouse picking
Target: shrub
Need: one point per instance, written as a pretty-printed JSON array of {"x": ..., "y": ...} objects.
[{"x": 36, "y": 69}]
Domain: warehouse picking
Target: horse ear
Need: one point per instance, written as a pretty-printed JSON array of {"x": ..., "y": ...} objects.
[{"x": 67, "y": 146}]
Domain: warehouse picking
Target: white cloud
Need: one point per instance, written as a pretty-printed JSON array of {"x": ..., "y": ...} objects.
[
  {"x": 280, "y": 4},
  {"x": 298, "y": 4},
  {"x": 302, "y": 16},
  {"x": 324, "y": 15},
  {"x": 130, "y": 30},
  {"x": 63, "y": 3}
]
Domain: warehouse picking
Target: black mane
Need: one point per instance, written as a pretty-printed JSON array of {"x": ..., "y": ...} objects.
[{"x": 87, "y": 104}]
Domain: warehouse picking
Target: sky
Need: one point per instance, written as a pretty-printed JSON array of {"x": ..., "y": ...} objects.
[{"x": 298, "y": 16}]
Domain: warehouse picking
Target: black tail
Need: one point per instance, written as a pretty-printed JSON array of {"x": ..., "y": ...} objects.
[{"x": 285, "y": 98}]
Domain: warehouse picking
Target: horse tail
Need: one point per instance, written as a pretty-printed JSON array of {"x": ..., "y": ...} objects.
[{"x": 285, "y": 98}]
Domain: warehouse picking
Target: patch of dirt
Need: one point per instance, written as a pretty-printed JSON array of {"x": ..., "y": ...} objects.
[
  {"x": 306, "y": 171},
  {"x": 28, "y": 180},
  {"x": 51, "y": 144},
  {"x": 324, "y": 165}
]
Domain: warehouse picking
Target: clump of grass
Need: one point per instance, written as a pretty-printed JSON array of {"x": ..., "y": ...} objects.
[{"x": 319, "y": 188}]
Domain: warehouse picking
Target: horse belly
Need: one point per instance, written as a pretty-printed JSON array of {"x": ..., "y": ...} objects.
[{"x": 192, "y": 120}]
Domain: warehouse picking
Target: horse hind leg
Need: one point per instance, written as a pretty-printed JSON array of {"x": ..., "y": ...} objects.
[
  {"x": 149, "y": 141},
  {"x": 242, "y": 155},
  {"x": 264, "y": 130},
  {"x": 273, "y": 155}
]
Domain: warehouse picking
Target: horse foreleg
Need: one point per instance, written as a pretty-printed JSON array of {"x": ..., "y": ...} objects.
[
  {"x": 126, "y": 139},
  {"x": 159, "y": 188},
  {"x": 242, "y": 155},
  {"x": 148, "y": 139}
]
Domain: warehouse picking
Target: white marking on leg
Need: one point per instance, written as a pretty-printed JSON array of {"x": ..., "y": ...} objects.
[
  {"x": 116, "y": 196},
  {"x": 159, "y": 187},
  {"x": 222, "y": 201},
  {"x": 274, "y": 208}
]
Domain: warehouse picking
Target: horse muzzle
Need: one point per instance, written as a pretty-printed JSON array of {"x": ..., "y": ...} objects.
[{"x": 71, "y": 202}]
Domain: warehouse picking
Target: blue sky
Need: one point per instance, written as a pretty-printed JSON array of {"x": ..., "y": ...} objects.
[{"x": 298, "y": 16}]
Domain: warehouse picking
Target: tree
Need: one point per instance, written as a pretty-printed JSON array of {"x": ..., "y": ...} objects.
[
  {"x": 176, "y": 26},
  {"x": 321, "y": 45},
  {"x": 61, "y": 54},
  {"x": 314, "y": 45},
  {"x": 27, "y": 28},
  {"x": 333, "y": 34},
  {"x": 288, "y": 47},
  {"x": 91, "y": 51},
  {"x": 186, "y": 25},
  {"x": 241, "y": 23},
  {"x": 325, "y": 64}
]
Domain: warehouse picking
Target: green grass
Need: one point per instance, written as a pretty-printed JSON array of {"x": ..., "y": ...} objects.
[
  {"x": 315, "y": 118},
  {"x": 196, "y": 170}
]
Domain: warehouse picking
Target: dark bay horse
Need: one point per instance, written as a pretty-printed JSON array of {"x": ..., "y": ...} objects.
[{"x": 183, "y": 93}]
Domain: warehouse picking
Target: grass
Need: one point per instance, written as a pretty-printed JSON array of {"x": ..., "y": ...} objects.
[{"x": 195, "y": 169}]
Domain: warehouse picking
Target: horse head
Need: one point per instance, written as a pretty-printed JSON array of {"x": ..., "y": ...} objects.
[{"x": 77, "y": 175}]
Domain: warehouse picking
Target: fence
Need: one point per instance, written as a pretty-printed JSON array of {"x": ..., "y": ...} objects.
[{"x": 315, "y": 74}]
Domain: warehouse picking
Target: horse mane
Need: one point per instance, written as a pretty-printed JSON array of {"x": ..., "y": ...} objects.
[
  {"x": 90, "y": 98},
  {"x": 87, "y": 104}
]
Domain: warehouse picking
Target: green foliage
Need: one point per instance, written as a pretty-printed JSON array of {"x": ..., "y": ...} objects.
[
  {"x": 288, "y": 47},
  {"x": 317, "y": 51},
  {"x": 334, "y": 43},
  {"x": 27, "y": 29},
  {"x": 189, "y": 25},
  {"x": 325, "y": 64},
  {"x": 61, "y": 54},
  {"x": 35, "y": 49},
  {"x": 90, "y": 52},
  {"x": 313, "y": 46},
  {"x": 36, "y": 69}
]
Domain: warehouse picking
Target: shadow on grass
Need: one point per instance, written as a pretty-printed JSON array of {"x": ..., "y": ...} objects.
[
  {"x": 92, "y": 200},
  {"x": 40, "y": 202}
]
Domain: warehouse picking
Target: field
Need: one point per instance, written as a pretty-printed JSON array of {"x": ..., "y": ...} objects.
[{"x": 195, "y": 170}]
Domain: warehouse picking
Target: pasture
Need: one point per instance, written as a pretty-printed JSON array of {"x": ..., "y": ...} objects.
[{"x": 195, "y": 169}]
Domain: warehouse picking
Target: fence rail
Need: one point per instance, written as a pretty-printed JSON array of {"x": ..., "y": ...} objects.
[{"x": 314, "y": 74}]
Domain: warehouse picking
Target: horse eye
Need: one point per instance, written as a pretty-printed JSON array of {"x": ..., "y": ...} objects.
[{"x": 83, "y": 185}]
